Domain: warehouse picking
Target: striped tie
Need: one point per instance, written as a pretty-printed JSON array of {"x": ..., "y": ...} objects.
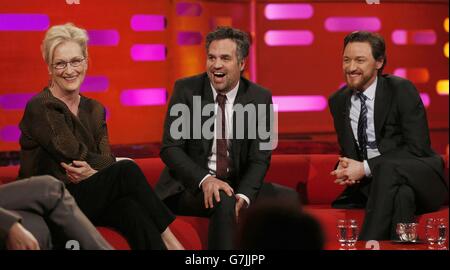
[
  {"x": 362, "y": 126},
  {"x": 223, "y": 161}
]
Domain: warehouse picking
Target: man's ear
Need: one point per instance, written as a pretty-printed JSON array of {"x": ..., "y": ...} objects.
[
  {"x": 242, "y": 65},
  {"x": 379, "y": 63}
]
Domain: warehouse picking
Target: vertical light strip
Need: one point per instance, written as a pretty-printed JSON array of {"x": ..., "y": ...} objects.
[
  {"x": 446, "y": 49},
  {"x": 446, "y": 24},
  {"x": 442, "y": 87},
  {"x": 425, "y": 99}
]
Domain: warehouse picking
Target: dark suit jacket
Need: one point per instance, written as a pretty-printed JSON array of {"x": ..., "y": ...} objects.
[
  {"x": 401, "y": 126},
  {"x": 186, "y": 159}
]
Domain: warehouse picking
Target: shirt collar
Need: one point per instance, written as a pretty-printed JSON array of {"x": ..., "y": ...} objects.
[
  {"x": 231, "y": 95},
  {"x": 370, "y": 91}
]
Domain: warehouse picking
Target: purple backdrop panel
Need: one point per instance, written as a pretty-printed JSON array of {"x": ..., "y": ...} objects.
[
  {"x": 148, "y": 22},
  {"x": 189, "y": 38},
  {"x": 347, "y": 24},
  {"x": 189, "y": 9},
  {"x": 103, "y": 37},
  {"x": 148, "y": 52},
  {"x": 24, "y": 22},
  {"x": 95, "y": 84},
  {"x": 289, "y": 38},
  {"x": 15, "y": 101},
  {"x": 288, "y": 11},
  {"x": 300, "y": 103},
  {"x": 10, "y": 133},
  {"x": 144, "y": 97}
]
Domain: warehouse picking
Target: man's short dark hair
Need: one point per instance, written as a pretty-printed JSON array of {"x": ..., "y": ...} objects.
[
  {"x": 239, "y": 37},
  {"x": 375, "y": 41}
]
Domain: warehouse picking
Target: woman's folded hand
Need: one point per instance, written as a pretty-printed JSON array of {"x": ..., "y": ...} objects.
[{"x": 78, "y": 171}]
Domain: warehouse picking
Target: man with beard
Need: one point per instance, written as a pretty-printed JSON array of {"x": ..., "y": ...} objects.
[
  {"x": 219, "y": 176},
  {"x": 387, "y": 163}
]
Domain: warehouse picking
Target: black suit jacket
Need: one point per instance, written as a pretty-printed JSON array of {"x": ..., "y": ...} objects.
[
  {"x": 401, "y": 126},
  {"x": 186, "y": 159}
]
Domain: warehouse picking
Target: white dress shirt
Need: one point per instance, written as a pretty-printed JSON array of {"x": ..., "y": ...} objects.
[
  {"x": 354, "y": 117},
  {"x": 212, "y": 159}
]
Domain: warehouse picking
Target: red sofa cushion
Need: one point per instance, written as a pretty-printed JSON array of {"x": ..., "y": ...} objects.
[
  {"x": 188, "y": 232},
  {"x": 288, "y": 170},
  {"x": 320, "y": 186},
  {"x": 114, "y": 238},
  {"x": 184, "y": 228},
  {"x": 8, "y": 174},
  {"x": 151, "y": 167},
  {"x": 309, "y": 174}
]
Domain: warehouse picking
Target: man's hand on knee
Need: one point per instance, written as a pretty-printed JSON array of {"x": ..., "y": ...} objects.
[{"x": 211, "y": 188}]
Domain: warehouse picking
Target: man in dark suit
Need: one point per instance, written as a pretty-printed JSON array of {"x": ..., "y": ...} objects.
[
  {"x": 219, "y": 172},
  {"x": 387, "y": 162}
]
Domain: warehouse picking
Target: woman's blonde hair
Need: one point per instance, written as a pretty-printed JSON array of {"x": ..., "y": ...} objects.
[{"x": 59, "y": 34}]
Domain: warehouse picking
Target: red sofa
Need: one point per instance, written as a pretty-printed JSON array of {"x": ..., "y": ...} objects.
[{"x": 308, "y": 174}]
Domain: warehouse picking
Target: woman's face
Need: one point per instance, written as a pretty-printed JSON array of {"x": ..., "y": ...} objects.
[{"x": 68, "y": 67}]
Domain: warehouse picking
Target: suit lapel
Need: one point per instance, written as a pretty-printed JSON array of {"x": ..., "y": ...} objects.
[
  {"x": 383, "y": 99},
  {"x": 207, "y": 98},
  {"x": 242, "y": 98}
]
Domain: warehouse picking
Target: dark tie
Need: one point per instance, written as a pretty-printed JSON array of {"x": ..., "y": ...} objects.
[
  {"x": 222, "y": 160},
  {"x": 362, "y": 126}
]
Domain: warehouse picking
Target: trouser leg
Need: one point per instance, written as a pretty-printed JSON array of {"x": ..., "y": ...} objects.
[{"x": 129, "y": 217}]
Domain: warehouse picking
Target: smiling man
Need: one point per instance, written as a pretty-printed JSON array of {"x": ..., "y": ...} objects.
[
  {"x": 217, "y": 177},
  {"x": 387, "y": 163}
]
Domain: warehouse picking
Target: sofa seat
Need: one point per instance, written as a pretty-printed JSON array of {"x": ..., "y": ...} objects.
[{"x": 309, "y": 174}]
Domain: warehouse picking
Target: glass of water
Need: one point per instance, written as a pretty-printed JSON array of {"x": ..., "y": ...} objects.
[
  {"x": 347, "y": 232},
  {"x": 352, "y": 232},
  {"x": 342, "y": 232},
  {"x": 407, "y": 232},
  {"x": 436, "y": 232}
]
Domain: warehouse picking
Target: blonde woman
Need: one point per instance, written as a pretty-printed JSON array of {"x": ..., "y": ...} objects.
[{"x": 64, "y": 134}]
